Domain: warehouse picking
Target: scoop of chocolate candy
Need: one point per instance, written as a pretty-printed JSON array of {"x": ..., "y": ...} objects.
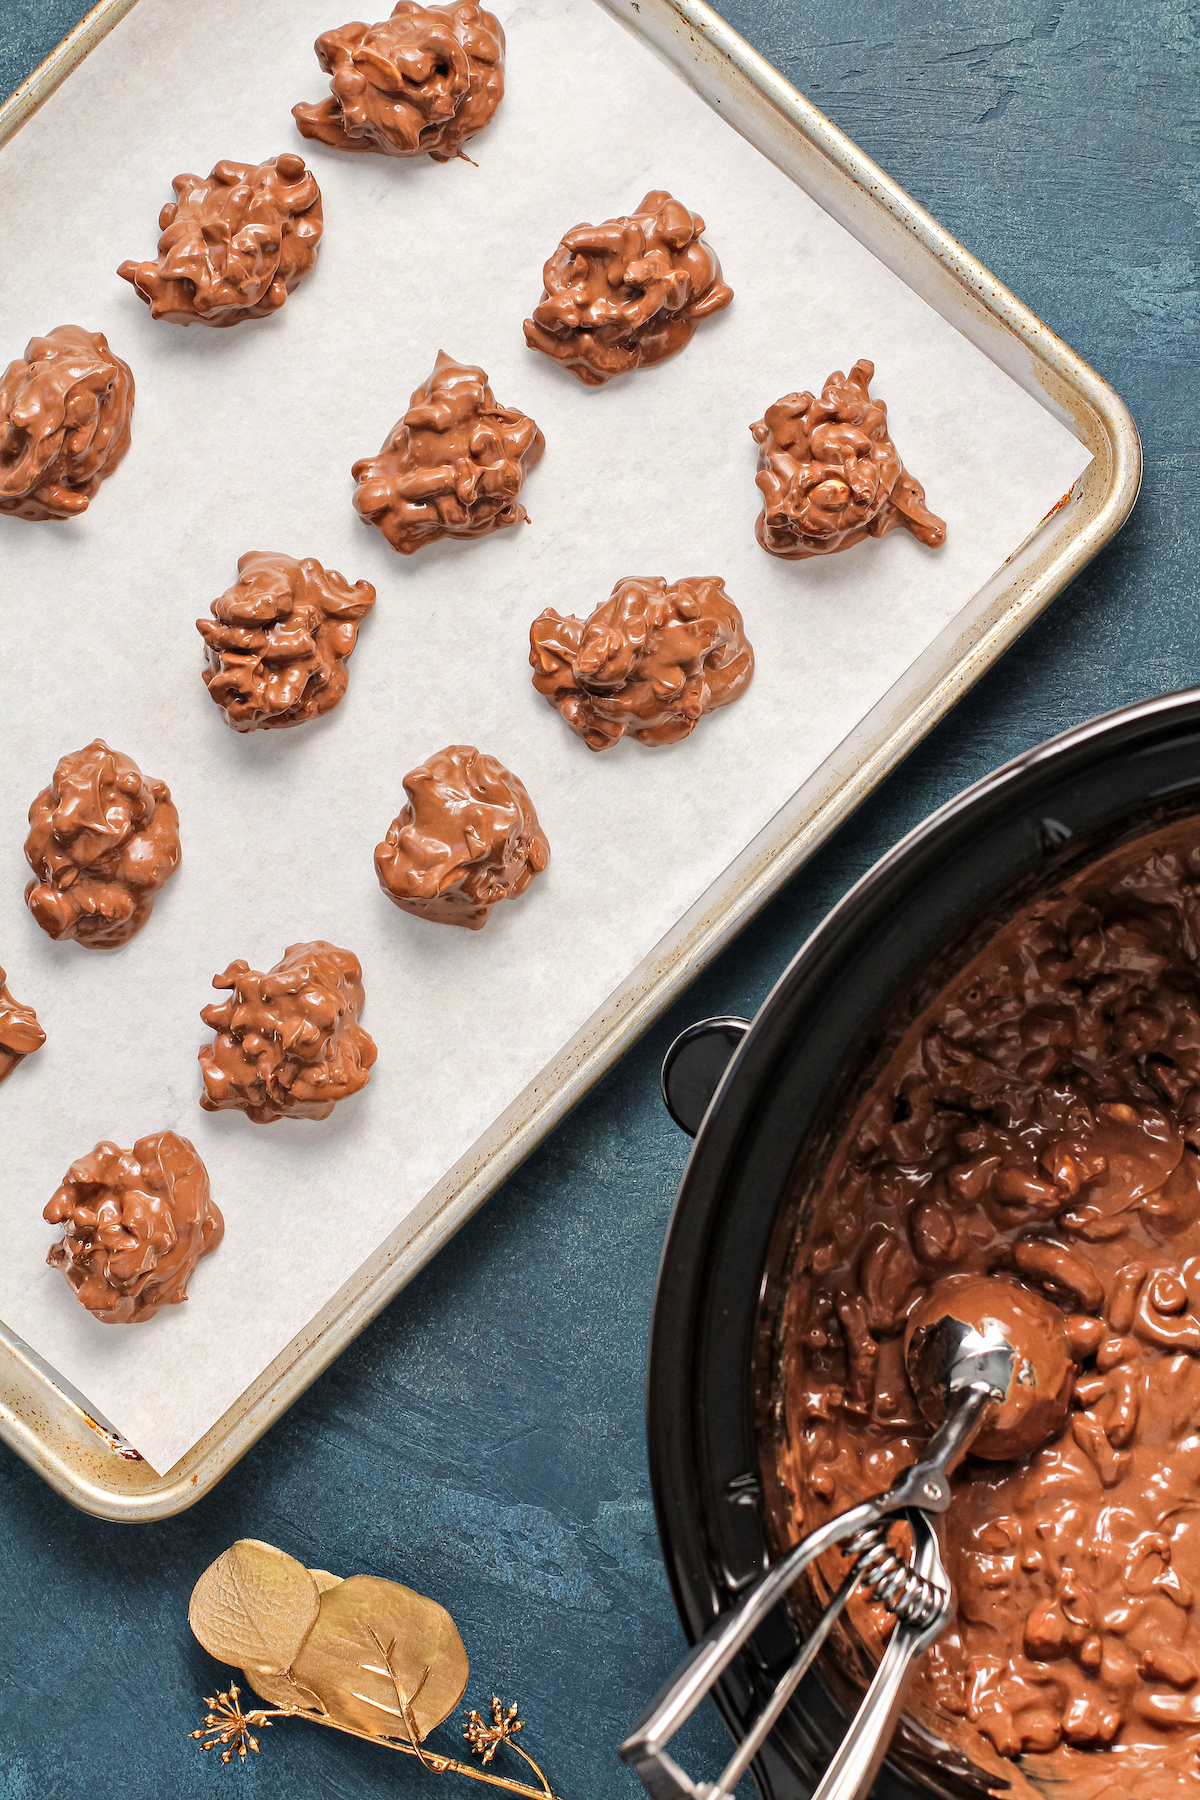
[
  {"x": 103, "y": 840},
  {"x": 998, "y": 1310},
  {"x": 65, "y": 411},
  {"x": 629, "y": 293},
  {"x": 136, "y": 1224},
  {"x": 234, "y": 243},
  {"x": 278, "y": 641},
  {"x": 452, "y": 467},
  {"x": 421, "y": 83},
  {"x": 468, "y": 838},
  {"x": 830, "y": 475},
  {"x": 650, "y": 662},
  {"x": 20, "y": 1033},
  {"x": 288, "y": 1043}
]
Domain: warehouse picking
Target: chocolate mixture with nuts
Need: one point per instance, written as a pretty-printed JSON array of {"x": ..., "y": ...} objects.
[{"x": 1041, "y": 1119}]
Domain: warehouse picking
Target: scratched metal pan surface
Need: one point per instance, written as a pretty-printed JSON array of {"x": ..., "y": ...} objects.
[{"x": 41, "y": 1416}]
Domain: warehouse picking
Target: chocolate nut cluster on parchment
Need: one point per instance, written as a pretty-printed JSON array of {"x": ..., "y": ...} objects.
[
  {"x": 629, "y": 293},
  {"x": 420, "y": 83},
  {"x": 650, "y": 662},
  {"x": 20, "y": 1033},
  {"x": 136, "y": 1222},
  {"x": 452, "y": 467},
  {"x": 234, "y": 243},
  {"x": 830, "y": 475},
  {"x": 288, "y": 1043},
  {"x": 65, "y": 411},
  {"x": 468, "y": 838},
  {"x": 103, "y": 839},
  {"x": 278, "y": 641}
]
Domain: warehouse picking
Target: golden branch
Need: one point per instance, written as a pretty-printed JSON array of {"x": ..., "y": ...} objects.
[{"x": 228, "y": 1727}]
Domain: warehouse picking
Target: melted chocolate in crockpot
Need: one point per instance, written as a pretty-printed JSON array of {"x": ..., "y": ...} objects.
[{"x": 1040, "y": 1121}]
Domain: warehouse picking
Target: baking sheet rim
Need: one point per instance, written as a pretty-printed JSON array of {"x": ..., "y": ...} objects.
[{"x": 43, "y": 1420}]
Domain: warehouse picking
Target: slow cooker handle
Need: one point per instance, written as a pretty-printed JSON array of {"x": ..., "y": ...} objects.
[{"x": 693, "y": 1067}]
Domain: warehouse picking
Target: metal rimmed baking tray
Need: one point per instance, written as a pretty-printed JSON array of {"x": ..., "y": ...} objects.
[{"x": 52, "y": 1425}]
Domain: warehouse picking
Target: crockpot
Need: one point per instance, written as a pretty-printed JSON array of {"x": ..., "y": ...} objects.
[{"x": 779, "y": 1105}]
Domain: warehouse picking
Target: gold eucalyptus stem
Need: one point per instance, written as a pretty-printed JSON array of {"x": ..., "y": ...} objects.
[
  {"x": 533, "y": 1766},
  {"x": 433, "y": 1759}
]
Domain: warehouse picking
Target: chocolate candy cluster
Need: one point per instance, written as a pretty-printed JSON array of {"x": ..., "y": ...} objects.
[
  {"x": 65, "y": 410},
  {"x": 136, "y": 1224},
  {"x": 830, "y": 475},
  {"x": 452, "y": 467},
  {"x": 20, "y": 1033},
  {"x": 103, "y": 839},
  {"x": 234, "y": 243},
  {"x": 650, "y": 662},
  {"x": 288, "y": 1043},
  {"x": 419, "y": 84},
  {"x": 629, "y": 293},
  {"x": 278, "y": 641},
  {"x": 468, "y": 838}
]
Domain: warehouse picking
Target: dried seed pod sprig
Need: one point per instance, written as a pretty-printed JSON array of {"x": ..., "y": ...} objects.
[
  {"x": 485, "y": 1740},
  {"x": 227, "y": 1728}
]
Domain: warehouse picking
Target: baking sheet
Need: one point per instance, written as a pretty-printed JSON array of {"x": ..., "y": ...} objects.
[{"x": 243, "y": 440}]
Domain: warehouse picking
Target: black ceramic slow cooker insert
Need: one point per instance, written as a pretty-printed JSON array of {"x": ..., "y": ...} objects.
[{"x": 777, "y": 1114}]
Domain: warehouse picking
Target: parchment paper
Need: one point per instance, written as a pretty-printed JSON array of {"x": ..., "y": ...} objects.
[{"x": 243, "y": 440}]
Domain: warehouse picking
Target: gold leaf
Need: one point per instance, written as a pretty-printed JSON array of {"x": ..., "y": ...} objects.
[
  {"x": 324, "y": 1579},
  {"x": 254, "y": 1607},
  {"x": 282, "y": 1690},
  {"x": 364, "y": 1624}
]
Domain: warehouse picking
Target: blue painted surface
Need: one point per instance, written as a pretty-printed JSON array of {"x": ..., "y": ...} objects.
[{"x": 483, "y": 1440}]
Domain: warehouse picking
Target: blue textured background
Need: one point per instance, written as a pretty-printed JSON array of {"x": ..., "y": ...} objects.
[{"x": 483, "y": 1441}]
